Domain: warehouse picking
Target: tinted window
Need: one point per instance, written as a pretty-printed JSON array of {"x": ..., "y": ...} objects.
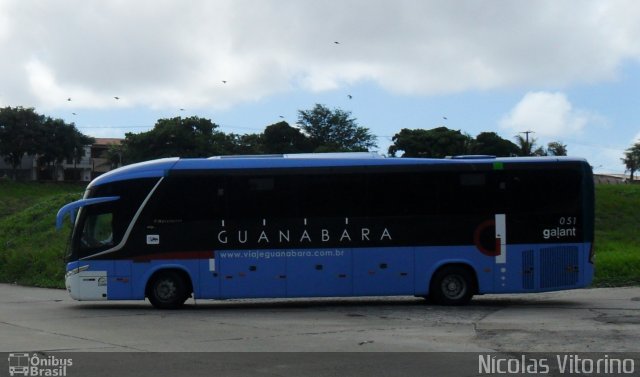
[
  {"x": 98, "y": 230},
  {"x": 363, "y": 194},
  {"x": 187, "y": 198},
  {"x": 540, "y": 191},
  {"x": 103, "y": 226},
  {"x": 402, "y": 194}
]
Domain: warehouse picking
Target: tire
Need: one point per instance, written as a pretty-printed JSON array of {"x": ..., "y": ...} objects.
[
  {"x": 167, "y": 290},
  {"x": 452, "y": 285}
]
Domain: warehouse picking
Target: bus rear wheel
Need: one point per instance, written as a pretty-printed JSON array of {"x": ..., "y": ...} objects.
[
  {"x": 452, "y": 285},
  {"x": 167, "y": 290}
]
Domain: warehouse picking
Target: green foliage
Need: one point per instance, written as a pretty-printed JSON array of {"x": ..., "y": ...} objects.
[
  {"x": 631, "y": 159},
  {"x": 327, "y": 131},
  {"x": 176, "y": 137},
  {"x": 115, "y": 155},
  {"x": 441, "y": 142},
  {"x": 556, "y": 148},
  {"x": 526, "y": 146},
  {"x": 489, "y": 143},
  {"x": 282, "y": 138},
  {"x": 23, "y": 131},
  {"x": 19, "y": 131},
  {"x": 435, "y": 143},
  {"x": 16, "y": 196},
  {"x": 334, "y": 130},
  {"x": 247, "y": 144},
  {"x": 31, "y": 250},
  {"x": 617, "y": 239}
]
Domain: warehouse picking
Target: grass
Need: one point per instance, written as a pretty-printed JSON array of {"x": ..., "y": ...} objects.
[
  {"x": 32, "y": 251},
  {"x": 16, "y": 196},
  {"x": 617, "y": 238}
]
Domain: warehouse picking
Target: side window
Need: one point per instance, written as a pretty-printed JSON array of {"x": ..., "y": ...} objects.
[
  {"x": 387, "y": 193},
  {"x": 187, "y": 199},
  {"x": 331, "y": 195},
  {"x": 262, "y": 196},
  {"x": 252, "y": 197},
  {"x": 472, "y": 193},
  {"x": 540, "y": 191},
  {"x": 296, "y": 196}
]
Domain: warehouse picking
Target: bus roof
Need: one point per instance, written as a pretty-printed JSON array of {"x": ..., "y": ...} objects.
[{"x": 162, "y": 167}]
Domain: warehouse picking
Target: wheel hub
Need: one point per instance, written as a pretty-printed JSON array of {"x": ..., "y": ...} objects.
[
  {"x": 453, "y": 287},
  {"x": 166, "y": 290}
]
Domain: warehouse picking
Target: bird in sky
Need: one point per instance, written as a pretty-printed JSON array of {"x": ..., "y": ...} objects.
[
  {"x": 336, "y": 42},
  {"x": 117, "y": 98},
  {"x": 224, "y": 81},
  {"x": 74, "y": 113},
  {"x": 350, "y": 96},
  {"x": 69, "y": 99},
  {"x": 445, "y": 118}
]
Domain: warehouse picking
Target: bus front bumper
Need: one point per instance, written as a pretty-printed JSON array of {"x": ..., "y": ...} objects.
[{"x": 85, "y": 285}]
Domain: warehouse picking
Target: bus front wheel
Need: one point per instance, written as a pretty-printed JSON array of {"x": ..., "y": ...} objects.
[
  {"x": 167, "y": 290},
  {"x": 452, "y": 285}
]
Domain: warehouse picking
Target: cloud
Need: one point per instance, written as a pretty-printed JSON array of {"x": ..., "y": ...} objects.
[
  {"x": 603, "y": 160},
  {"x": 548, "y": 115},
  {"x": 168, "y": 53}
]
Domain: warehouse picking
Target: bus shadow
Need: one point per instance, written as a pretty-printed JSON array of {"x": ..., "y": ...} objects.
[
  {"x": 409, "y": 302},
  {"x": 500, "y": 302},
  {"x": 267, "y": 304}
]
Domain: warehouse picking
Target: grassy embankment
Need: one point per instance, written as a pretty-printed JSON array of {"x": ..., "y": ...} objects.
[
  {"x": 32, "y": 251},
  {"x": 617, "y": 239}
]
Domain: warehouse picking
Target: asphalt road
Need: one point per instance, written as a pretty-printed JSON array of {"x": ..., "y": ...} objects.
[{"x": 590, "y": 320}]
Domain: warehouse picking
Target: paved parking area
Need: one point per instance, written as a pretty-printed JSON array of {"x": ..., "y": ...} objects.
[{"x": 606, "y": 320}]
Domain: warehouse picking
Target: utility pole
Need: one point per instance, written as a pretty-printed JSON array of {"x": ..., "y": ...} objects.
[
  {"x": 526, "y": 135},
  {"x": 526, "y": 148}
]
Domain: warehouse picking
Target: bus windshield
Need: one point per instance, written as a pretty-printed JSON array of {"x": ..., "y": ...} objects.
[
  {"x": 103, "y": 226},
  {"x": 98, "y": 230}
]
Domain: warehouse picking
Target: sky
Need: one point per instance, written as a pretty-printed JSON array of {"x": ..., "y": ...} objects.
[{"x": 567, "y": 70}]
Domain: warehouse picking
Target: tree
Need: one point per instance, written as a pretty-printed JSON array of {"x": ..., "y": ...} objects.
[
  {"x": 176, "y": 137},
  {"x": 58, "y": 141},
  {"x": 19, "y": 130},
  {"x": 631, "y": 160},
  {"x": 556, "y": 148},
  {"x": 282, "y": 138},
  {"x": 526, "y": 146},
  {"x": 334, "y": 130},
  {"x": 436, "y": 143},
  {"x": 243, "y": 144},
  {"x": 114, "y": 154},
  {"x": 490, "y": 143}
]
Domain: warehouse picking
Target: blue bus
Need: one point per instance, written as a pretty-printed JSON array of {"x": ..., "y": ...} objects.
[{"x": 332, "y": 225}]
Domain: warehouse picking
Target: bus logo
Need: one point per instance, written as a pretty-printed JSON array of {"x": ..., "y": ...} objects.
[
  {"x": 19, "y": 364},
  {"x": 153, "y": 239},
  {"x": 37, "y": 366}
]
